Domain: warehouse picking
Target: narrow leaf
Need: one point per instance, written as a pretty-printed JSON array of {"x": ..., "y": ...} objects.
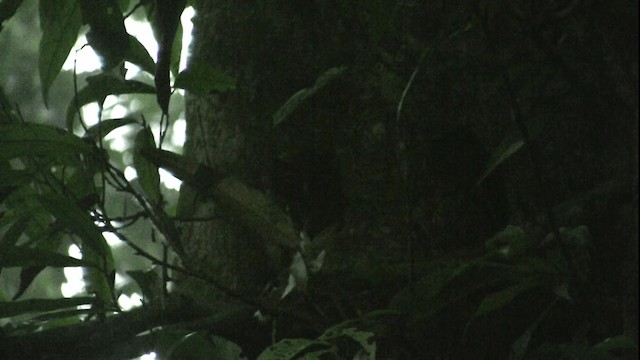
[
  {"x": 502, "y": 298},
  {"x": 18, "y": 140},
  {"x": 60, "y": 22},
  {"x": 504, "y": 152},
  {"x": 138, "y": 55},
  {"x": 7, "y": 9},
  {"x": 202, "y": 79},
  {"x": 104, "y": 127},
  {"x": 101, "y": 86},
  {"x": 23, "y": 256},
  {"x": 12, "y": 308},
  {"x": 147, "y": 172},
  {"x": 294, "y": 101}
]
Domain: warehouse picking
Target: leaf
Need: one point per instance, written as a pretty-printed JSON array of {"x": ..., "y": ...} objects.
[
  {"x": 23, "y": 256},
  {"x": 72, "y": 218},
  {"x": 296, "y": 99},
  {"x": 504, "y": 152},
  {"x": 147, "y": 171},
  {"x": 18, "y": 140},
  {"x": 520, "y": 346},
  {"x": 7, "y": 9},
  {"x": 13, "y": 308},
  {"x": 138, "y": 55},
  {"x": 60, "y": 22},
  {"x": 503, "y": 298},
  {"x": 150, "y": 283},
  {"x": 620, "y": 342},
  {"x": 289, "y": 348},
  {"x": 364, "y": 338},
  {"x": 511, "y": 242},
  {"x": 165, "y": 22},
  {"x": 107, "y": 34},
  {"x": 99, "y": 87},
  {"x": 200, "y": 79},
  {"x": 193, "y": 346},
  {"x": 104, "y": 127},
  {"x": 255, "y": 211}
]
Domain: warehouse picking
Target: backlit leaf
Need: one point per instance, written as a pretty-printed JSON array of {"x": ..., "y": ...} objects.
[{"x": 60, "y": 22}]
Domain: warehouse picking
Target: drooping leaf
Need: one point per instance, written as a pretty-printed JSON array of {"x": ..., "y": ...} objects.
[
  {"x": 193, "y": 346},
  {"x": 23, "y": 256},
  {"x": 60, "y": 22},
  {"x": 43, "y": 141},
  {"x": 7, "y": 9},
  {"x": 203, "y": 79},
  {"x": 77, "y": 221},
  {"x": 364, "y": 338},
  {"x": 502, "y": 298},
  {"x": 99, "y": 87},
  {"x": 620, "y": 342},
  {"x": 298, "y": 98},
  {"x": 255, "y": 210},
  {"x": 504, "y": 152},
  {"x": 148, "y": 175},
  {"x": 150, "y": 282},
  {"x": 13, "y": 308},
  {"x": 107, "y": 35},
  {"x": 104, "y": 127},
  {"x": 290, "y": 348},
  {"x": 138, "y": 55},
  {"x": 166, "y": 23}
]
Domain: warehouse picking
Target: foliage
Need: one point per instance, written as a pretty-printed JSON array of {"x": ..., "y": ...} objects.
[{"x": 530, "y": 292}]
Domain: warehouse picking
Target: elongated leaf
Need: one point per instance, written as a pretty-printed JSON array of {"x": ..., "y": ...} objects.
[
  {"x": 40, "y": 140},
  {"x": 138, "y": 55},
  {"x": 289, "y": 348},
  {"x": 500, "y": 299},
  {"x": 12, "y": 308},
  {"x": 107, "y": 36},
  {"x": 294, "y": 101},
  {"x": 7, "y": 9},
  {"x": 60, "y": 22},
  {"x": 99, "y": 87},
  {"x": 72, "y": 218},
  {"x": 26, "y": 257},
  {"x": 504, "y": 152},
  {"x": 256, "y": 211},
  {"x": 148, "y": 175},
  {"x": 104, "y": 127},
  {"x": 202, "y": 79}
]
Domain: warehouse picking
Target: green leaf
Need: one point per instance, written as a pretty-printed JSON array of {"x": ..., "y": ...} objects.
[
  {"x": 620, "y": 342},
  {"x": 13, "y": 308},
  {"x": 17, "y": 140},
  {"x": 107, "y": 36},
  {"x": 7, "y": 9},
  {"x": 23, "y": 256},
  {"x": 296, "y": 99},
  {"x": 511, "y": 242},
  {"x": 364, "y": 338},
  {"x": 99, "y": 87},
  {"x": 203, "y": 79},
  {"x": 193, "y": 346},
  {"x": 147, "y": 172},
  {"x": 149, "y": 281},
  {"x": 505, "y": 150},
  {"x": 60, "y": 22},
  {"x": 77, "y": 221},
  {"x": 138, "y": 55},
  {"x": 500, "y": 299},
  {"x": 104, "y": 127},
  {"x": 289, "y": 349}
]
